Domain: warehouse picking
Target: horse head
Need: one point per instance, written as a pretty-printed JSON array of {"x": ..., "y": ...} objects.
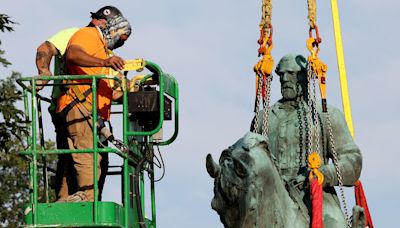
[{"x": 240, "y": 177}]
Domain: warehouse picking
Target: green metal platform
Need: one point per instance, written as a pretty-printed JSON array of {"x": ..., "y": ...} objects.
[
  {"x": 109, "y": 214},
  {"x": 98, "y": 213}
]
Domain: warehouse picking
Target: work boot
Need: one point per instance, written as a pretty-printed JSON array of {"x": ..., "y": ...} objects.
[{"x": 76, "y": 197}]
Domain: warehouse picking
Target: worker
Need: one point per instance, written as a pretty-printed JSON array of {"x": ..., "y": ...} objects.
[
  {"x": 87, "y": 54},
  {"x": 56, "y": 46}
]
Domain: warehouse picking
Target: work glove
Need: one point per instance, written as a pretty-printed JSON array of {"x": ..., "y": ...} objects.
[{"x": 120, "y": 145}]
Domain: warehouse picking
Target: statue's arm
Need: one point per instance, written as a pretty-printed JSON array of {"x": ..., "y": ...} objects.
[{"x": 348, "y": 153}]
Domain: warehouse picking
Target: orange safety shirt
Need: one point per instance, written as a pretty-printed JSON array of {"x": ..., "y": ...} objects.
[{"x": 92, "y": 42}]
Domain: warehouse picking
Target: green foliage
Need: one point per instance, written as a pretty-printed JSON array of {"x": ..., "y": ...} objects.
[
  {"x": 5, "y": 26},
  {"x": 12, "y": 124},
  {"x": 6, "y": 23},
  {"x": 14, "y": 173}
]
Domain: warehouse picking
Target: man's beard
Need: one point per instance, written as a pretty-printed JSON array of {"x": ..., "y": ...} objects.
[{"x": 290, "y": 91}]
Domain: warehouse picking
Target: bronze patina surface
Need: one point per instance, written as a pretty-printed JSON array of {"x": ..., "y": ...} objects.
[{"x": 261, "y": 181}]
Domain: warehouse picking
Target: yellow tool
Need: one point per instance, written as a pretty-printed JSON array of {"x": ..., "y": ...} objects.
[
  {"x": 133, "y": 86},
  {"x": 132, "y": 64},
  {"x": 319, "y": 68},
  {"x": 266, "y": 64}
]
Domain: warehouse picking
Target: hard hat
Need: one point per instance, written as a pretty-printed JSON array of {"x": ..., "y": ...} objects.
[{"x": 106, "y": 12}]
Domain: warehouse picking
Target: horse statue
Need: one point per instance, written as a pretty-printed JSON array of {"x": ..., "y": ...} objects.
[{"x": 249, "y": 192}]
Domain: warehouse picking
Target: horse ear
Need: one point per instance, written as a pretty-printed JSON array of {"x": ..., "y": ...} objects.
[{"x": 213, "y": 168}]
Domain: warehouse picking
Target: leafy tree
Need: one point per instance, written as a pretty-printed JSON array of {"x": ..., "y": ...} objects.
[
  {"x": 5, "y": 25},
  {"x": 14, "y": 175}
]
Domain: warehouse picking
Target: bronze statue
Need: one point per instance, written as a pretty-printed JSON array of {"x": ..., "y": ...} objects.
[{"x": 261, "y": 181}]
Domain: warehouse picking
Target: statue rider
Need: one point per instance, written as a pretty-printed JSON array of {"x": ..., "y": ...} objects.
[{"x": 289, "y": 141}]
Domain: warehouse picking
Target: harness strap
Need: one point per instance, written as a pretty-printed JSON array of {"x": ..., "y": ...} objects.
[{"x": 81, "y": 98}]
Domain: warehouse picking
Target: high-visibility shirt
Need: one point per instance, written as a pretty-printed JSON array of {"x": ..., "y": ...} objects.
[
  {"x": 92, "y": 42},
  {"x": 60, "y": 41}
]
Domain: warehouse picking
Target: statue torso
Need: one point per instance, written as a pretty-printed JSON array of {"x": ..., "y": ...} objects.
[{"x": 288, "y": 138}]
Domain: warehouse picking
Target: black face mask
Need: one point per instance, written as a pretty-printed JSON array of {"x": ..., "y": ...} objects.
[{"x": 117, "y": 44}]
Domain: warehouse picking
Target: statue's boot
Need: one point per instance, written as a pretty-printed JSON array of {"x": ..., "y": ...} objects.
[{"x": 358, "y": 217}]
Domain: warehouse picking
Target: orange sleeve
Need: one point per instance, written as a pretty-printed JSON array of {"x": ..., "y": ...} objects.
[{"x": 90, "y": 41}]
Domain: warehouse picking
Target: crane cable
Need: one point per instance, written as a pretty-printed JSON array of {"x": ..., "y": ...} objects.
[{"x": 264, "y": 66}]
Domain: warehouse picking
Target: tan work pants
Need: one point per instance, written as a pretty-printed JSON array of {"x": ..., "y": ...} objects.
[{"x": 79, "y": 129}]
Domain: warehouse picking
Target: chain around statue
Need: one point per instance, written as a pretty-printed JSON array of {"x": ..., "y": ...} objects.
[
  {"x": 317, "y": 70},
  {"x": 263, "y": 68}
]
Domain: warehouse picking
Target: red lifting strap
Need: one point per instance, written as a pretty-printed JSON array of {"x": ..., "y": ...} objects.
[
  {"x": 316, "y": 199},
  {"x": 361, "y": 201}
]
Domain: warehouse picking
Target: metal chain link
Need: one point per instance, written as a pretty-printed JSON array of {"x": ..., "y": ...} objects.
[
  {"x": 311, "y": 76},
  {"x": 305, "y": 116},
  {"x": 313, "y": 115},
  {"x": 316, "y": 124},
  {"x": 266, "y": 100},
  {"x": 310, "y": 106},
  {"x": 257, "y": 108},
  {"x": 300, "y": 121},
  {"x": 321, "y": 130},
  {"x": 338, "y": 172}
]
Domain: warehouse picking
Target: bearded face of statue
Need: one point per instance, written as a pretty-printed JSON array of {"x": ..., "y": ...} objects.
[
  {"x": 292, "y": 76},
  {"x": 289, "y": 85}
]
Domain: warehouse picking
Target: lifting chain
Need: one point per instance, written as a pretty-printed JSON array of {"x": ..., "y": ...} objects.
[
  {"x": 263, "y": 67},
  {"x": 313, "y": 136},
  {"x": 338, "y": 172},
  {"x": 266, "y": 101},
  {"x": 257, "y": 104},
  {"x": 317, "y": 70}
]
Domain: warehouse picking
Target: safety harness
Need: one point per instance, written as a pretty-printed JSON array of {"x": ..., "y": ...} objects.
[{"x": 80, "y": 98}]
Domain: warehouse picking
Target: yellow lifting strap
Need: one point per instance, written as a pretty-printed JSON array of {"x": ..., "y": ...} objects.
[
  {"x": 266, "y": 14},
  {"x": 264, "y": 66},
  {"x": 312, "y": 12},
  {"x": 342, "y": 67}
]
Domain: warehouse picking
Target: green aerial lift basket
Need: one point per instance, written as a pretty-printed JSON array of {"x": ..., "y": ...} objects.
[{"x": 97, "y": 213}]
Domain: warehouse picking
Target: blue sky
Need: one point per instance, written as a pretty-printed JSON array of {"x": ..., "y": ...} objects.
[{"x": 210, "y": 47}]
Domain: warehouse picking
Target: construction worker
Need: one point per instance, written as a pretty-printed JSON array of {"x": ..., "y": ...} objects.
[
  {"x": 87, "y": 54},
  {"x": 56, "y": 46}
]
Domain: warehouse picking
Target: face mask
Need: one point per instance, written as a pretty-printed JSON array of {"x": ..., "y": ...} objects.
[{"x": 114, "y": 28}]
